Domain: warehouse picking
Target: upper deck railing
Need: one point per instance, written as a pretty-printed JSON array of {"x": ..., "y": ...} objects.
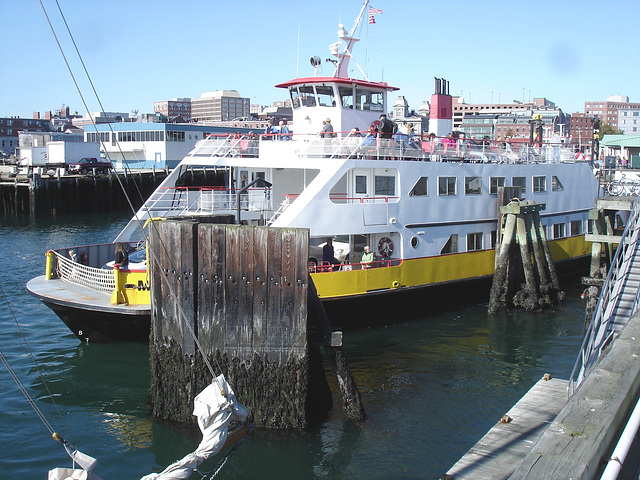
[{"x": 399, "y": 147}]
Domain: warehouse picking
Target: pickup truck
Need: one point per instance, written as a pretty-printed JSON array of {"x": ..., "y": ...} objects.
[{"x": 86, "y": 165}]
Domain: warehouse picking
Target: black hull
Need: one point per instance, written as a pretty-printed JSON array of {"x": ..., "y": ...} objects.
[{"x": 92, "y": 326}]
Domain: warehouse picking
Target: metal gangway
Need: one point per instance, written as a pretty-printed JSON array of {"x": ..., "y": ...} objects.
[{"x": 618, "y": 300}]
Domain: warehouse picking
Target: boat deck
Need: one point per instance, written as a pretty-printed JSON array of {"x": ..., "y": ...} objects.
[
  {"x": 501, "y": 450},
  {"x": 64, "y": 294}
]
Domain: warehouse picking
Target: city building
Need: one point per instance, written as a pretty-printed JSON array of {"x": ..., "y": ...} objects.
[
  {"x": 581, "y": 131},
  {"x": 609, "y": 110},
  {"x": 178, "y": 107},
  {"x": 462, "y": 109},
  {"x": 102, "y": 117},
  {"x": 219, "y": 106},
  {"x": 629, "y": 121},
  {"x": 403, "y": 117},
  {"x": 11, "y": 127}
]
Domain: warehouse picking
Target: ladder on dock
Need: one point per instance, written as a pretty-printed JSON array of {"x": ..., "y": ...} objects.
[{"x": 618, "y": 299}]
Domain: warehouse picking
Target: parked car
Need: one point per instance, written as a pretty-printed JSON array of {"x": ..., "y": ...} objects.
[{"x": 86, "y": 165}]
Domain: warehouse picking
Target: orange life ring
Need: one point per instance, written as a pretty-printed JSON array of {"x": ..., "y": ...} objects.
[{"x": 385, "y": 247}]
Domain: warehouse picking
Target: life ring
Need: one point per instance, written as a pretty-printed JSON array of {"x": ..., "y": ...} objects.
[{"x": 385, "y": 247}]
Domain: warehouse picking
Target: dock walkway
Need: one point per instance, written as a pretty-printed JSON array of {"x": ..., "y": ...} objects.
[{"x": 501, "y": 450}]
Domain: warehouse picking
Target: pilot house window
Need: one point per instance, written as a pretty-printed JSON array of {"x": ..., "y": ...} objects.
[{"x": 325, "y": 96}]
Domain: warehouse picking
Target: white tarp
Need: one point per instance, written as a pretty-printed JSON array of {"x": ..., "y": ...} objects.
[
  {"x": 215, "y": 407},
  {"x": 82, "y": 459}
]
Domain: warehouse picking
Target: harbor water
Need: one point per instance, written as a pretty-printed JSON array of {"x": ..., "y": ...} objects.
[{"x": 432, "y": 383}]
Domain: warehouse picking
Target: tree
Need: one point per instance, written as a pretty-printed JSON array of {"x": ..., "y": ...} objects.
[{"x": 606, "y": 129}]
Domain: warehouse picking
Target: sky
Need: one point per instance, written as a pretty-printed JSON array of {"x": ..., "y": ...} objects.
[{"x": 140, "y": 51}]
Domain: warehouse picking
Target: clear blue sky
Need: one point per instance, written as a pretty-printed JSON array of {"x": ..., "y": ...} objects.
[{"x": 141, "y": 51}]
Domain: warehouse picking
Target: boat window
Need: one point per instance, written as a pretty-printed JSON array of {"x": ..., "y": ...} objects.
[
  {"x": 556, "y": 185},
  {"x": 447, "y": 185},
  {"x": 346, "y": 97},
  {"x": 451, "y": 246},
  {"x": 576, "y": 227},
  {"x": 307, "y": 96},
  {"x": 372, "y": 101},
  {"x": 474, "y": 241},
  {"x": 539, "y": 184},
  {"x": 385, "y": 185},
  {"x": 495, "y": 183},
  {"x": 520, "y": 182},
  {"x": 472, "y": 185},
  {"x": 361, "y": 184},
  {"x": 558, "y": 230},
  {"x": 325, "y": 96},
  {"x": 420, "y": 188},
  {"x": 494, "y": 238},
  {"x": 414, "y": 242},
  {"x": 295, "y": 97}
]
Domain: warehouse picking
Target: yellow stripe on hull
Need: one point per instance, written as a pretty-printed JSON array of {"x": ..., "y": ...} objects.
[{"x": 430, "y": 270}]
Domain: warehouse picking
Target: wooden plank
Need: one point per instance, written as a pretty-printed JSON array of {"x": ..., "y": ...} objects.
[
  {"x": 211, "y": 286},
  {"x": 260, "y": 287},
  {"x": 233, "y": 276},
  {"x": 592, "y": 237},
  {"x": 501, "y": 450},
  {"x": 271, "y": 329}
]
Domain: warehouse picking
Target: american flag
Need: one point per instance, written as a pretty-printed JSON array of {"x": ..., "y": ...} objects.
[{"x": 372, "y": 13}]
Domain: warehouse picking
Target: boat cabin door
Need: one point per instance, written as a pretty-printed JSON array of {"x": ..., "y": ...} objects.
[{"x": 360, "y": 184}]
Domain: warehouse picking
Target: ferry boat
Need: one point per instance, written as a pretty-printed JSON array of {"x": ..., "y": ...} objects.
[{"x": 427, "y": 207}]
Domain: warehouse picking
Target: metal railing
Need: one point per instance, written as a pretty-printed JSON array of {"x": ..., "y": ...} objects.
[
  {"x": 600, "y": 331},
  {"x": 367, "y": 145}
]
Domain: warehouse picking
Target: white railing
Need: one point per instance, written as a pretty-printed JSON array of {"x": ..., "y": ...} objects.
[
  {"x": 176, "y": 201},
  {"x": 600, "y": 330},
  {"x": 97, "y": 279}
]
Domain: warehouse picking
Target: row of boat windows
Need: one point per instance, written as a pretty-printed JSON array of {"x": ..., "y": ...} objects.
[
  {"x": 385, "y": 185},
  {"x": 475, "y": 241},
  {"x": 473, "y": 185},
  {"x": 349, "y": 97}
]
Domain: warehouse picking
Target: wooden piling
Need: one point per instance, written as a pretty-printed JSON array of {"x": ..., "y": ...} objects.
[
  {"x": 537, "y": 286},
  {"x": 244, "y": 293}
]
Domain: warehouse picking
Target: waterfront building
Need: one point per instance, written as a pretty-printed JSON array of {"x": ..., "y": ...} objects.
[
  {"x": 622, "y": 147},
  {"x": 218, "y": 106},
  {"x": 480, "y": 125},
  {"x": 461, "y": 109},
  {"x": 150, "y": 145},
  {"x": 11, "y": 127},
  {"x": 609, "y": 110}
]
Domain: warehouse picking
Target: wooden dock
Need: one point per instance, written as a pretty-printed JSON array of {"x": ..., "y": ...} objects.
[{"x": 500, "y": 451}]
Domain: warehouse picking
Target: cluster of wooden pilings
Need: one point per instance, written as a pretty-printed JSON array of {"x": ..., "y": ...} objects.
[
  {"x": 524, "y": 275},
  {"x": 43, "y": 196},
  {"x": 235, "y": 299}
]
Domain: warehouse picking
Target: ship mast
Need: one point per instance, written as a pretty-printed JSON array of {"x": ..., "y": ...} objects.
[{"x": 342, "y": 64}]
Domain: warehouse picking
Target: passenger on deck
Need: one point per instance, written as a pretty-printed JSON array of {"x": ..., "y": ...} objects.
[
  {"x": 284, "y": 131},
  {"x": 328, "y": 254},
  {"x": 122, "y": 255},
  {"x": 386, "y": 127},
  {"x": 73, "y": 256},
  {"x": 367, "y": 257}
]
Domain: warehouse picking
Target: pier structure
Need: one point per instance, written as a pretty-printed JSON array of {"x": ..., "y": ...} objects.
[
  {"x": 37, "y": 195},
  {"x": 582, "y": 427},
  {"x": 234, "y": 299}
]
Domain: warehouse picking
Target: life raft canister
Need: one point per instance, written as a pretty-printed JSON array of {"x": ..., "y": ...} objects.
[{"x": 385, "y": 247}]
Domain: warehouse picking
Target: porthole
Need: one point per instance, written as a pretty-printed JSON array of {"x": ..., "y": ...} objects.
[{"x": 414, "y": 242}]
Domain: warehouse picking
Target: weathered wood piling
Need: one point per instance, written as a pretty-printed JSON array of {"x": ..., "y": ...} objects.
[
  {"x": 233, "y": 299},
  {"x": 524, "y": 275}
]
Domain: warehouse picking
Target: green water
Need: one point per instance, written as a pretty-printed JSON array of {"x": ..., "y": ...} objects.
[{"x": 432, "y": 384}]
